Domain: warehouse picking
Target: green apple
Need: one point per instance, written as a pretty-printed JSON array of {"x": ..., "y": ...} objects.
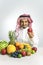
[
  {"x": 19, "y": 55},
  {"x": 32, "y": 51}
]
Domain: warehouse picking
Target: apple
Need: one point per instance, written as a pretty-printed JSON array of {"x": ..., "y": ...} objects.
[
  {"x": 17, "y": 48},
  {"x": 30, "y": 30},
  {"x": 3, "y": 51},
  {"x": 34, "y": 48},
  {"x": 19, "y": 55},
  {"x": 33, "y": 51},
  {"x": 23, "y": 53}
]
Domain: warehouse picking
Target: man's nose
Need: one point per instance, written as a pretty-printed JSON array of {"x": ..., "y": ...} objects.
[{"x": 24, "y": 23}]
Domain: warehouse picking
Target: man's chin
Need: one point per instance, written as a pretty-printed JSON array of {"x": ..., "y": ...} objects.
[{"x": 24, "y": 27}]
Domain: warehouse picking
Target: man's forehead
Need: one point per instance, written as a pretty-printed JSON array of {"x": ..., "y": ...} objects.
[{"x": 24, "y": 19}]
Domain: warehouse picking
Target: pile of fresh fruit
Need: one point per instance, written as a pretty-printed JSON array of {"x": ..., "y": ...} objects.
[{"x": 17, "y": 50}]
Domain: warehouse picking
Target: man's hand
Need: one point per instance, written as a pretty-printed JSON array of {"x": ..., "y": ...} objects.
[{"x": 31, "y": 34}]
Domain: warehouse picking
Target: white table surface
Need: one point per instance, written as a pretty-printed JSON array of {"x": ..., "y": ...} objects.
[{"x": 35, "y": 59}]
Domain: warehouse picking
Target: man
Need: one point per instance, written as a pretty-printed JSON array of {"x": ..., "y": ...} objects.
[{"x": 24, "y": 31}]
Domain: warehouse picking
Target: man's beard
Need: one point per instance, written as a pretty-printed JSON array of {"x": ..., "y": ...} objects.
[{"x": 24, "y": 27}]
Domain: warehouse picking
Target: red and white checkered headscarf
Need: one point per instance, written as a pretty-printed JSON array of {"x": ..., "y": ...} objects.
[{"x": 24, "y": 16}]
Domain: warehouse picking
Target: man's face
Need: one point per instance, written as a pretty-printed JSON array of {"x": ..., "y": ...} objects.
[{"x": 24, "y": 23}]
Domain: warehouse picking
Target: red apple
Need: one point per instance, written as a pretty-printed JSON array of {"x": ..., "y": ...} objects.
[
  {"x": 17, "y": 48},
  {"x": 23, "y": 53},
  {"x": 30, "y": 30},
  {"x": 34, "y": 48},
  {"x": 3, "y": 51}
]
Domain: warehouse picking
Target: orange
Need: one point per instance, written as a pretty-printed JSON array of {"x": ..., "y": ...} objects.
[
  {"x": 21, "y": 46},
  {"x": 17, "y": 43}
]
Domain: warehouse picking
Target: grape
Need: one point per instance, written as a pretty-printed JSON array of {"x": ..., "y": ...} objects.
[{"x": 13, "y": 55}]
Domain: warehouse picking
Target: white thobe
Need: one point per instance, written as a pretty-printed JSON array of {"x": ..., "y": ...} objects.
[{"x": 24, "y": 37}]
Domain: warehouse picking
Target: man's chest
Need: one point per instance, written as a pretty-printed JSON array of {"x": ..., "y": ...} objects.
[{"x": 23, "y": 34}]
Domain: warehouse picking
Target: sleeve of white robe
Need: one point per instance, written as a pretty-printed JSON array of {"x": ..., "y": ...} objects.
[{"x": 35, "y": 38}]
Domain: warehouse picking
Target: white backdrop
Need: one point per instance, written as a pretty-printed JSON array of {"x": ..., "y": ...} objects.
[{"x": 11, "y": 9}]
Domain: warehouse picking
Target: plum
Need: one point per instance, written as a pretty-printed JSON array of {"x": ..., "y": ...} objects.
[{"x": 34, "y": 48}]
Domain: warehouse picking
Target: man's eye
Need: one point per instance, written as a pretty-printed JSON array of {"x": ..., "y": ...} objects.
[{"x": 22, "y": 21}]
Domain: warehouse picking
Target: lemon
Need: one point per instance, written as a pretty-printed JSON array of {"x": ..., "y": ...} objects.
[
  {"x": 11, "y": 49},
  {"x": 27, "y": 45}
]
